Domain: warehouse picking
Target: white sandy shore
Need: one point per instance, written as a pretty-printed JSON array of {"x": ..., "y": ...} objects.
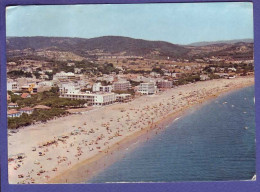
[{"x": 100, "y": 129}]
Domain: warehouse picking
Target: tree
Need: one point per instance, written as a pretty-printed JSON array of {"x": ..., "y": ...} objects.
[
  {"x": 157, "y": 70},
  {"x": 15, "y": 98},
  {"x": 19, "y": 73},
  {"x": 55, "y": 90},
  {"x": 50, "y": 75},
  {"x": 37, "y": 74}
]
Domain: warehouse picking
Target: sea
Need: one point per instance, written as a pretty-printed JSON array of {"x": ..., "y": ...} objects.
[{"x": 211, "y": 142}]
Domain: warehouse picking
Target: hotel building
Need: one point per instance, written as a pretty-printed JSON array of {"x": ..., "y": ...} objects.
[
  {"x": 92, "y": 98},
  {"x": 68, "y": 88},
  {"x": 164, "y": 84},
  {"x": 123, "y": 97},
  {"x": 121, "y": 86},
  {"x": 97, "y": 87},
  {"x": 64, "y": 76},
  {"x": 12, "y": 86},
  {"x": 147, "y": 88}
]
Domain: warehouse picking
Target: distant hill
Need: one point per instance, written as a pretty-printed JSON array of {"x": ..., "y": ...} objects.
[
  {"x": 205, "y": 43},
  {"x": 80, "y": 48},
  {"x": 109, "y": 44}
]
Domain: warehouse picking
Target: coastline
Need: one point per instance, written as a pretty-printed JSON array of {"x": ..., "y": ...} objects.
[
  {"x": 138, "y": 137},
  {"x": 69, "y": 175},
  {"x": 86, "y": 168}
]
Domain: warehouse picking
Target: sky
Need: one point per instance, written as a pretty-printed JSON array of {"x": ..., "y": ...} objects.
[{"x": 178, "y": 23}]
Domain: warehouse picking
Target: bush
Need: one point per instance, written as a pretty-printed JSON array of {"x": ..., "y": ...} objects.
[
  {"x": 17, "y": 74},
  {"x": 23, "y": 120},
  {"x": 37, "y": 116}
]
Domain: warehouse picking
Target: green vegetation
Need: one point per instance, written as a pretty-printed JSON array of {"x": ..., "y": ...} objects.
[
  {"x": 113, "y": 44},
  {"x": 157, "y": 70},
  {"x": 104, "y": 83},
  {"x": 19, "y": 73},
  {"x": 49, "y": 98},
  {"x": 107, "y": 68},
  {"x": 214, "y": 76},
  {"x": 50, "y": 75},
  {"x": 37, "y": 74},
  {"x": 187, "y": 79},
  {"x": 36, "y": 116},
  {"x": 129, "y": 91},
  {"x": 18, "y": 59},
  {"x": 137, "y": 71},
  {"x": 134, "y": 83},
  {"x": 86, "y": 66}
]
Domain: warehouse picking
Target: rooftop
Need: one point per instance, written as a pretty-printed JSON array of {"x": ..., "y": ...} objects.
[
  {"x": 24, "y": 95},
  {"x": 41, "y": 107},
  {"x": 12, "y": 111},
  {"x": 26, "y": 109},
  {"x": 12, "y": 104}
]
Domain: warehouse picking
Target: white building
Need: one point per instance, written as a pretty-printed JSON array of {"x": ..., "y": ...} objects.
[
  {"x": 25, "y": 81},
  {"x": 77, "y": 70},
  {"x": 154, "y": 74},
  {"x": 107, "y": 78},
  {"x": 13, "y": 113},
  {"x": 147, "y": 88},
  {"x": 28, "y": 70},
  {"x": 121, "y": 85},
  {"x": 165, "y": 84},
  {"x": 64, "y": 76},
  {"x": 92, "y": 98},
  {"x": 222, "y": 75},
  {"x": 187, "y": 68},
  {"x": 123, "y": 97},
  {"x": 232, "y": 69},
  {"x": 68, "y": 88},
  {"x": 44, "y": 76},
  {"x": 27, "y": 110},
  {"x": 204, "y": 77},
  {"x": 175, "y": 75},
  {"x": 144, "y": 79},
  {"x": 97, "y": 87},
  {"x": 12, "y": 105},
  {"x": 41, "y": 88},
  {"x": 70, "y": 64},
  {"x": 46, "y": 83},
  {"x": 48, "y": 71},
  {"x": 12, "y": 86}
]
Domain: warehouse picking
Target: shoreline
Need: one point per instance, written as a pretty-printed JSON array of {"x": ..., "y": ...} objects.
[
  {"x": 84, "y": 168},
  {"x": 68, "y": 176}
]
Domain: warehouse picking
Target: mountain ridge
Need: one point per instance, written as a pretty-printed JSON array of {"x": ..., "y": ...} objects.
[
  {"x": 112, "y": 44},
  {"x": 126, "y": 46},
  {"x": 206, "y": 43}
]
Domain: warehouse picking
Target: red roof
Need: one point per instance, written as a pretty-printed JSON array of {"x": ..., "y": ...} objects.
[
  {"x": 41, "y": 107},
  {"x": 8, "y": 97},
  {"x": 25, "y": 95},
  {"x": 12, "y": 111},
  {"x": 26, "y": 109},
  {"x": 12, "y": 104}
]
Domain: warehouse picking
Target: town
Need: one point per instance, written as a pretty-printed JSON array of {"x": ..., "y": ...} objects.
[{"x": 44, "y": 84}]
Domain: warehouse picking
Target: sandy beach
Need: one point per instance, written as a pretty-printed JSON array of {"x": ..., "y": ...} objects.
[{"x": 72, "y": 149}]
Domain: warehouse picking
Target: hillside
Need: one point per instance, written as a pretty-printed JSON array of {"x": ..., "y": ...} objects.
[
  {"x": 205, "y": 43},
  {"x": 106, "y": 44},
  {"x": 77, "y": 49}
]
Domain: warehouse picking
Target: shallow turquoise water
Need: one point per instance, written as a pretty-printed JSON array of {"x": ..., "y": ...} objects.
[{"x": 213, "y": 142}]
